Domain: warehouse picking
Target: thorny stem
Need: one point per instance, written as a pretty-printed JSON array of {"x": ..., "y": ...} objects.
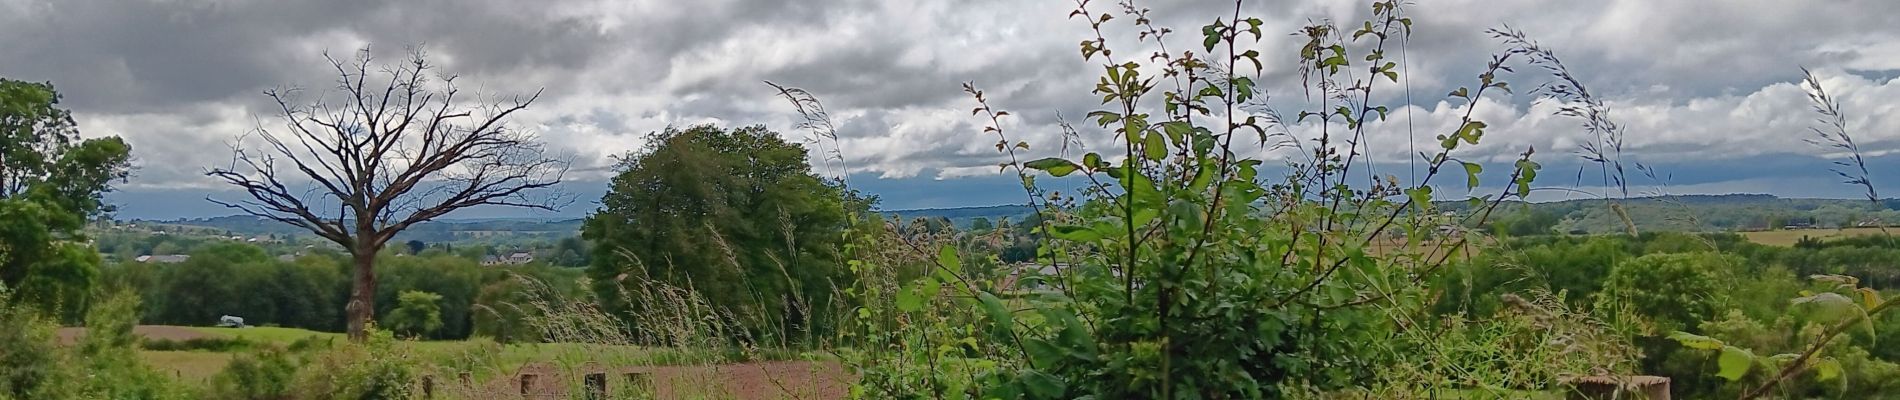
[{"x": 1042, "y": 218}]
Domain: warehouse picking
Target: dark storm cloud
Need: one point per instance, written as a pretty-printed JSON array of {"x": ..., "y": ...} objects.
[{"x": 1706, "y": 81}]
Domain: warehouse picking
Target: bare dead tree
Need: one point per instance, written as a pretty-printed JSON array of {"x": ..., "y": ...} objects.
[{"x": 388, "y": 149}]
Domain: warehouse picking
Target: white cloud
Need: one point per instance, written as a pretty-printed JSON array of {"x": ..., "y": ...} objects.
[{"x": 1689, "y": 80}]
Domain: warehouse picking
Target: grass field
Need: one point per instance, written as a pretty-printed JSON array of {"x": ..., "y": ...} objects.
[
  {"x": 1789, "y": 237},
  {"x": 483, "y": 359},
  {"x": 191, "y": 367}
]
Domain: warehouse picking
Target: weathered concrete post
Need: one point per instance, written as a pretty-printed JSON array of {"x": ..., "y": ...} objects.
[
  {"x": 527, "y": 384},
  {"x": 596, "y": 383}
]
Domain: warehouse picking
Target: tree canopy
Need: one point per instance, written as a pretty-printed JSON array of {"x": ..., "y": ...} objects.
[
  {"x": 51, "y": 182},
  {"x": 735, "y": 214}
]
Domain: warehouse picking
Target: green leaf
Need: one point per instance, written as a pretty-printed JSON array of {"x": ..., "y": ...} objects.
[
  {"x": 1075, "y": 233},
  {"x": 1000, "y": 320},
  {"x": 947, "y": 257},
  {"x": 1698, "y": 342},
  {"x": 908, "y": 300},
  {"x": 1243, "y": 89},
  {"x": 1177, "y": 130},
  {"x": 1734, "y": 363},
  {"x": 1144, "y": 215},
  {"x": 1471, "y": 174},
  {"x": 1471, "y": 131},
  {"x": 1092, "y": 161},
  {"x": 1527, "y": 173},
  {"x": 1042, "y": 352},
  {"x": 1827, "y": 369},
  {"x": 1054, "y": 166},
  {"x": 1421, "y": 196},
  {"x": 1835, "y": 307},
  {"x": 1041, "y": 385},
  {"x": 1154, "y": 147}
]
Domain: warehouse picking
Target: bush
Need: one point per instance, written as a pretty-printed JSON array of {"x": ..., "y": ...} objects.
[
  {"x": 112, "y": 367},
  {"x": 1673, "y": 291},
  {"x": 31, "y": 366},
  {"x": 374, "y": 370},
  {"x": 263, "y": 375}
]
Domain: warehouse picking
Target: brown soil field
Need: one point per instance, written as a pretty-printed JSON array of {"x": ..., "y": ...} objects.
[
  {"x": 761, "y": 380},
  {"x": 69, "y": 336}
]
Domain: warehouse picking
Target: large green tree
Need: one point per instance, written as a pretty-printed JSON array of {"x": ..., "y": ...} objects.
[
  {"x": 51, "y": 182},
  {"x": 736, "y": 215}
]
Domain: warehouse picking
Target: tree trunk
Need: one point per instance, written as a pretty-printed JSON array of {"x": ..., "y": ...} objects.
[{"x": 362, "y": 305}]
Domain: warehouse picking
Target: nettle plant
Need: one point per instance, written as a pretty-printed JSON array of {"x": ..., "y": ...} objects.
[{"x": 1189, "y": 269}]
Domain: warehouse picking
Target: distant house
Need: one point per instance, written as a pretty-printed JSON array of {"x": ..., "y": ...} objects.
[
  {"x": 164, "y": 259},
  {"x": 516, "y": 258}
]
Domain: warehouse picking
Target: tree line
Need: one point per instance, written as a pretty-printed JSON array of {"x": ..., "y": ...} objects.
[{"x": 310, "y": 291}]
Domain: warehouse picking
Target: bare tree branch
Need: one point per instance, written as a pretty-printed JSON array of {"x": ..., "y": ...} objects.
[{"x": 393, "y": 150}]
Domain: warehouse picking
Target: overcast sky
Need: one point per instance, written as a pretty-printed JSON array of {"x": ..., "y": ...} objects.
[{"x": 1706, "y": 89}]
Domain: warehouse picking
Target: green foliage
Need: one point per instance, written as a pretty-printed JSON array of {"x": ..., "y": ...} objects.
[
  {"x": 1524, "y": 221},
  {"x": 31, "y": 363},
  {"x": 503, "y": 312},
  {"x": 309, "y": 292},
  {"x": 735, "y": 215},
  {"x": 51, "y": 183},
  {"x": 1181, "y": 271},
  {"x": 110, "y": 355},
  {"x": 981, "y": 224},
  {"x": 456, "y": 280},
  {"x": 267, "y": 374},
  {"x": 376, "y": 369},
  {"x": 1674, "y": 291},
  {"x": 240, "y": 279},
  {"x": 417, "y": 313}
]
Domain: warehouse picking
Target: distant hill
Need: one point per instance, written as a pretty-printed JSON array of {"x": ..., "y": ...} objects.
[
  {"x": 432, "y": 231},
  {"x": 961, "y": 216},
  {"x": 1732, "y": 212}
]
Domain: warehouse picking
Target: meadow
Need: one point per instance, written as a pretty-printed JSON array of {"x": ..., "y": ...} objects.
[{"x": 1788, "y": 237}]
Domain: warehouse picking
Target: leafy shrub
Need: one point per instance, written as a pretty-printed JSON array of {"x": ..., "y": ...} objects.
[
  {"x": 31, "y": 363},
  {"x": 267, "y": 374},
  {"x": 110, "y": 357},
  {"x": 417, "y": 313},
  {"x": 1674, "y": 291},
  {"x": 376, "y": 369}
]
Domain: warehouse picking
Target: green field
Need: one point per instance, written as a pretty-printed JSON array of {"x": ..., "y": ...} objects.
[
  {"x": 1787, "y": 238},
  {"x": 484, "y": 359}
]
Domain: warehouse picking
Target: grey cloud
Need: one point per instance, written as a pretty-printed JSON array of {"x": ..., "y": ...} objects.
[{"x": 180, "y": 77}]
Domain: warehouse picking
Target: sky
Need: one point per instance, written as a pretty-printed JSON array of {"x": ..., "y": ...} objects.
[{"x": 1707, "y": 91}]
